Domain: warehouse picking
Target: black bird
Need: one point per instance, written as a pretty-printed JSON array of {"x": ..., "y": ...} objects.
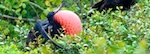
[
  {"x": 58, "y": 22},
  {"x": 42, "y": 28},
  {"x": 106, "y": 4}
]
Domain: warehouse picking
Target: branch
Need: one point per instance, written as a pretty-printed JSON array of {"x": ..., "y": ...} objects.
[
  {"x": 36, "y": 5},
  {"x": 16, "y": 18},
  {"x": 79, "y": 5},
  {"x": 35, "y": 12}
]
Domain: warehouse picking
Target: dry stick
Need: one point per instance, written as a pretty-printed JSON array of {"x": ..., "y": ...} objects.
[{"x": 16, "y": 18}]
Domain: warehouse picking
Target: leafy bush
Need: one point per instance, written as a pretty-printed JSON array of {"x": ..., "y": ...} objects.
[{"x": 118, "y": 32}]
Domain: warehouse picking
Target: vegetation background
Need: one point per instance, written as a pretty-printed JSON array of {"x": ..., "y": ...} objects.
[{"x": 117, "y": 32}]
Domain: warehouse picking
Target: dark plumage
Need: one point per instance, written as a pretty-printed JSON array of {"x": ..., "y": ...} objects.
[
  {"x": 106, "y": 4},
  {"x": 48, "y": 24}
]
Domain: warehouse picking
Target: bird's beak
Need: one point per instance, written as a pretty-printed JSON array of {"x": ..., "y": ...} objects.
[{"x": 59, "y": 8}]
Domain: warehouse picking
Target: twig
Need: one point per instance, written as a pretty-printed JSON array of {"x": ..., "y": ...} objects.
[
  {"x": 79, "y": 5},
  {"x": 10, "y": 17},
  {"x": 35, "y": 12},
  {"x": 36, "y": 6}
]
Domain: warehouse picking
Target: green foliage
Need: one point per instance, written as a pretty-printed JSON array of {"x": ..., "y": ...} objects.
[{"x": 118, "y": 32}]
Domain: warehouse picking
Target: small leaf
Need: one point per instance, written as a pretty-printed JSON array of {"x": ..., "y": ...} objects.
[
  {"x": 143, "y": 44},
  {"x": 23, "y": 5}
]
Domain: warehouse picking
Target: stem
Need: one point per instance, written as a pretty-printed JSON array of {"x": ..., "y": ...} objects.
[
  {"x": 36, "y": 5},
  {"x": 10, "y": 17},
  {"x": 35, "y": 12}
]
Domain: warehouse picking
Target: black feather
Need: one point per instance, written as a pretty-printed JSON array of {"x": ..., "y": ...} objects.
[
  {"x": 40, "y": 26},
  {"x": 106, "y": 4}
]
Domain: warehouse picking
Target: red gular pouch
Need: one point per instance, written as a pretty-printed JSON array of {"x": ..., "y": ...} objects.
[{"x": 69, "y": 21}]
